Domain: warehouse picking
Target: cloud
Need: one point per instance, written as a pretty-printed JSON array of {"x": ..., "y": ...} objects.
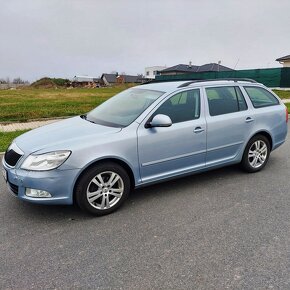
[{"x": 64, "y": 38}]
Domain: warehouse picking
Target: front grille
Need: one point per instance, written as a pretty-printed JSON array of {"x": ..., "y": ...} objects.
[
  {"x": 13, "y": 187},
  {"x": 11, "y": 157}
]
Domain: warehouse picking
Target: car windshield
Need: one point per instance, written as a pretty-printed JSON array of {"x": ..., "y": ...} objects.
[{"x": 122, "y": 109}]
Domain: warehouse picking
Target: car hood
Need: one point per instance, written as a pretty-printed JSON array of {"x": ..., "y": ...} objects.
[{"x": 63, "y": 134}]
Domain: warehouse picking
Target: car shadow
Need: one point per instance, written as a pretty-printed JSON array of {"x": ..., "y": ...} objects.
[
  {"x": 169, "y": 187},
  {"x": 164, "y": 190}
]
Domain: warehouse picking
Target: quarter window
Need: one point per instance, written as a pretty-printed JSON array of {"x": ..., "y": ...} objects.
[
  {"x": 224, "y": 100},
  {"x": 181, "y": 107},
  {"x": 261, "y": 97}
]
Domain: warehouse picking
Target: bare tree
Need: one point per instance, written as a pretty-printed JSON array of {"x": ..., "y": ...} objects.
[{"x": 18, "y": 81}]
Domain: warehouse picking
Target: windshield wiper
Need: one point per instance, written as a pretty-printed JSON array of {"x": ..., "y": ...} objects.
[{"x": 85, "y": 118}]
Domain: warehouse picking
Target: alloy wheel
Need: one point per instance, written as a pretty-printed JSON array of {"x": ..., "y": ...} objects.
[
  {"x": 105, "y": 190},
  {"x": 257, "y": 154}
]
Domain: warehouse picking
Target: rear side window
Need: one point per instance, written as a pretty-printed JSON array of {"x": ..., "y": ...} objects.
[
  {"x": 224, "y": 100},
  {"x": 184, "y": 106},
  {"x": 261, "y": 97}
]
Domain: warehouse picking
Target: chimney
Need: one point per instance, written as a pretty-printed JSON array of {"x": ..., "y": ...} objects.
[{"x": 190, "y": 64}]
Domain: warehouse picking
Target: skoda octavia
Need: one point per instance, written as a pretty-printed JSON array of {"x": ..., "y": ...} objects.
[{"x": 146, "y": 134}]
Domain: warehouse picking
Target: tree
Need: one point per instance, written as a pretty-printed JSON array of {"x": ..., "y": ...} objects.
[{"x": 18, "y": 81}]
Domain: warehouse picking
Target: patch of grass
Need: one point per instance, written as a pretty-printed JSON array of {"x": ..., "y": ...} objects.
[
  {"x": 288, "y": 106},
  {"x": 282, "y": 94},
  {"x": 7, "y": 137},
  {"x": 30, "y": 103}
]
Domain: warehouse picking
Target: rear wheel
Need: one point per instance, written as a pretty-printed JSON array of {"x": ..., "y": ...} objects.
[
  {"x": 102, "y": 188},
  {"x": 256, "y": 154}
]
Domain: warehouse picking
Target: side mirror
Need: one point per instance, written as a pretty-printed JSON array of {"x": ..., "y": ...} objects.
[{"x": 160, "y": 120}]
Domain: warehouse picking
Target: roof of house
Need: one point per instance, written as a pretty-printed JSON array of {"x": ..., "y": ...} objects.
[
  {"x": 112, "y": 78},
  {"x": 133, "y": 79},
  {"x": 85, "y": 79},
  {"x": 195, "y": 68},
  {"x": 287, "y": 57},
  {"x": 213, "y": 67},
  {"x": 181, "y": 68}
]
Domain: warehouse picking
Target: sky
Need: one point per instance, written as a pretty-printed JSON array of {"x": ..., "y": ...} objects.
[{"x": 64, "y": 38}]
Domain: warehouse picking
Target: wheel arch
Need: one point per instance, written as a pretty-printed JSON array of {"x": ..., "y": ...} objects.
[
  {"x": 118, "y": 161},
  {"x": 245, "y": 162},
  {"x": 265, "y": 134}
]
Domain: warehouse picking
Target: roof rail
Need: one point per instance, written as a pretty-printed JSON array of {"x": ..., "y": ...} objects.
[{"x": 212, "y": 80}]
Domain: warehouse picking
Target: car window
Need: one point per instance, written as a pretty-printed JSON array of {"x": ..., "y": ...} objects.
[
  {"x": 261, "y": 97},
  {"x": 224, "y": 100},
  {"x": 181, "y": 107},
  {"x": 122, "y": 109}
]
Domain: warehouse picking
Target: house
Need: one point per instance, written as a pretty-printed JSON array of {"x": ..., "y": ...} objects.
[
  {"x": 152, "y": 71},
  {"x": 108, "y": 79},
  {"x": 285, "y": 60},
  {"x": 85, "y": 81},
  {"x": 190, "y": 68},
  {"x": 111, "y": 79},
  {"x": 126, "y": 79}
]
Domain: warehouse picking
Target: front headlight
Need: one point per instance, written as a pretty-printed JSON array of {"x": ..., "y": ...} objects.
[{"x": 46, "y": 161}]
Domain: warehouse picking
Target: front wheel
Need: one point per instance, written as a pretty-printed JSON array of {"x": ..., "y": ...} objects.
[
  {"x": 102, "y": 188},
  {"x": 256, "y": 154}
]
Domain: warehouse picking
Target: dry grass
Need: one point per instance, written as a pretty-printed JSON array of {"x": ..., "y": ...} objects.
[
  {"x": 282, "y": 94},
  {"x": 30, "y": 103}
]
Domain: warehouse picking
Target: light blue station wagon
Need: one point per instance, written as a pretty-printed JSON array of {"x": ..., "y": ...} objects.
[{"x": 146, "y": 134}]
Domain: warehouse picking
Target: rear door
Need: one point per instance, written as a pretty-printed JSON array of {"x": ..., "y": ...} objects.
[{"x": 229, "y": 122}]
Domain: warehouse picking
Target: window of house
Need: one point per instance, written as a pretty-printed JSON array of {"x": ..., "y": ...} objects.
[
  {"x": 147, "y": 73},
  {"x": 225, "y": 100},
  {"x": 261, "y": 97},
  {"x": 184, "y": 106}
]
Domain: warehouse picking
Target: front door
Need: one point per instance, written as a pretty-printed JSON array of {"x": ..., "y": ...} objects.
[{"x": 180, "y": 148}]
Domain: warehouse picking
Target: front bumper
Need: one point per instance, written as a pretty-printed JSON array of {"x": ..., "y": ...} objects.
[{"x": 59, "y": 183}]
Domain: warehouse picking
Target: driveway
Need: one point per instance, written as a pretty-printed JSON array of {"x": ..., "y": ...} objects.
[{"x": 217, "y": 230}]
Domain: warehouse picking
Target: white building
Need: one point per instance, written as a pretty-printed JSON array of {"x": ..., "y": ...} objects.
[
  {"x": 285, "y": 60},
  {"x": 152, "y": 71}
]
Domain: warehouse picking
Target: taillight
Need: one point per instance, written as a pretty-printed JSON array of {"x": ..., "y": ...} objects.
[{"x": 286, "y": 114}]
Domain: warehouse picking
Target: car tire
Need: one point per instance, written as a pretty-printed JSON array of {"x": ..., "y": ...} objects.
[
  {"x": 102, "y": 189},
  {"x": 256, "y": 154}
]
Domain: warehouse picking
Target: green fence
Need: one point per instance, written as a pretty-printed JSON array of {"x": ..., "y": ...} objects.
[{"x": 270, "y": 77}]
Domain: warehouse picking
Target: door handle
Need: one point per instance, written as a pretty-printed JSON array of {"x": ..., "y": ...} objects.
[
  {"x": 249, "y": 120},
  {"x": 198, "y": 130}
]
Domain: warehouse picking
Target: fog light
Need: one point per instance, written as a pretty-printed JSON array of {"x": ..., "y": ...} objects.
[{"x": 36, "y": 193}]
